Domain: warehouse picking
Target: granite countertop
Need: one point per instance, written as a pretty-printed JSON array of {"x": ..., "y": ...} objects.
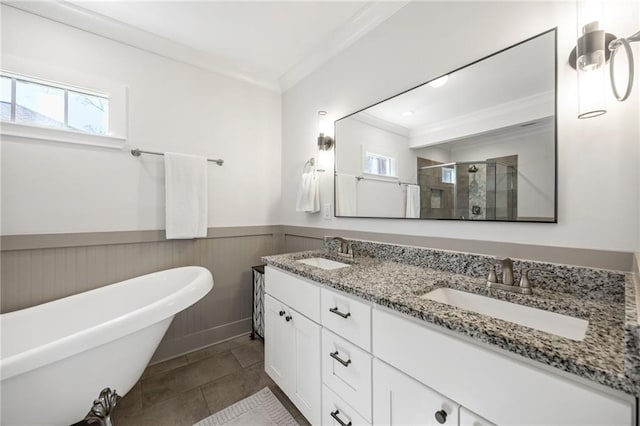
[{"x": 607, "y": 351}]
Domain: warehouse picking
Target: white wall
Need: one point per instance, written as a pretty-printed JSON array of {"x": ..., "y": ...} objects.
[
  {"x": 56, "y": 188},
  {"x": 597, "y": 159},
  {"x": 357, "y": 138}
]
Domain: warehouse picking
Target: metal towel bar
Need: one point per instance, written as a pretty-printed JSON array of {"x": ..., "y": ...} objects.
[{"x": 137, "y": 152}]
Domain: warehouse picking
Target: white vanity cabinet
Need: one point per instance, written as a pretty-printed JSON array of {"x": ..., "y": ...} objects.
[
  {"x": 292, "y": 342},
  {"x": 344, "y": 361}
]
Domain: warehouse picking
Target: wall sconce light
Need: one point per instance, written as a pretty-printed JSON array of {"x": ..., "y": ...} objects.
[
  {"x": 325, "y": 142},
  {"x": 593, "y": 49}
]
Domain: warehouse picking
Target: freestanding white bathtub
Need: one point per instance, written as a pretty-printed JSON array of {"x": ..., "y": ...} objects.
[{"x": 55, "y": 358}]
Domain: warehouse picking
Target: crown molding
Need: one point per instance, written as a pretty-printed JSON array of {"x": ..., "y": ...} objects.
[
  {"x": 379, "y": 123},
  {"x": 523, "y": 110},
  {"x": 94, "y": 23},
  {"x": 368, "y": 18}
]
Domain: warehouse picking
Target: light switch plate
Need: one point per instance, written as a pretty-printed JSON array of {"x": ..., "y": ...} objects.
[{"x": 326, "y": 211}]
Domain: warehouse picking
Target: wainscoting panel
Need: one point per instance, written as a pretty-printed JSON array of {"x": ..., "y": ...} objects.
[
  {"x": 40, "y": 268},
  {"x": 230, "y": 261},
  {"x": 293, "y": 243},
  {"x": 34, "y": 276}
]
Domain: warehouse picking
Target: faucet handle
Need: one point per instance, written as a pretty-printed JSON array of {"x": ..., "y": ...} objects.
[
  {"x": 349, "y": 248},
  {"x": 524, "y": 276},
  {"x": 491, "y": 276}
]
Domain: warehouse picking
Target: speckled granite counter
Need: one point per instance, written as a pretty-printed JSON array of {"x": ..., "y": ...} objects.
[{"x": 395, "y": 277}]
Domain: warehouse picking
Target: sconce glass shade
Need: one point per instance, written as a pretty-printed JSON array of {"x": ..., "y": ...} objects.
[
  {"x": 325, "y": 161},
  {"x": 591, "y": 93},
  {"x": 590, "y": 59}
]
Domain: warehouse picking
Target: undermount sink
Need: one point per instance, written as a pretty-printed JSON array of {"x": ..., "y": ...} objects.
[
  {"x": 322, "y": 263},
  {"x": 549, "y": 322}
]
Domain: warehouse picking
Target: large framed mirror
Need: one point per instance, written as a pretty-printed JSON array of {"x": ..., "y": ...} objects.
[{"x": 478, "y": 143}]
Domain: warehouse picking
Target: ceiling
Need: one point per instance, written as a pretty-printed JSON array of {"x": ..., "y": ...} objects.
[
  {"x": 270, "y": 43},
  {"x": 514, "y": 75}
]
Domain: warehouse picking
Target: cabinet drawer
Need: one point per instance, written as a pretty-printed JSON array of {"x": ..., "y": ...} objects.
[
  {"x": 467, "y": 418},
  {"x": 335, "y": 410},
  {"x": 346, "y": 317},
  {"x": 499, "y": 387},
  {"x": 297, "y": 293},
  {"x": 346, "y": 370}
]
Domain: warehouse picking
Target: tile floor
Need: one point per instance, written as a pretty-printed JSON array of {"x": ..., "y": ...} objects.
[{"x": 186, "y": 389}]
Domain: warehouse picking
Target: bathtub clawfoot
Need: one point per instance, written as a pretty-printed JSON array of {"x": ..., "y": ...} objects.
[{"x": 102, "y": 408}]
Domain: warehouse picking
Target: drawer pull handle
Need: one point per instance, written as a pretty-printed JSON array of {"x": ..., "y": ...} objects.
[
  {"x": 334, "y": 414},
  {"x": 287, "y": 318},
  {"x": 281, "y": 313},
  {"x": 335, "y": 356},
  {"x": 337, "y": 312},
  {"x": 441, "y": 416}
]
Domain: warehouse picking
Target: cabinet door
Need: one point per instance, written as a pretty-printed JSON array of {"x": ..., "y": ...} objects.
[
  {"x": 467, "y": 418},
  {"x": 305, "y": 380},
  {"x": 400, "y": 400},
  {"x": 277, "y": 342}
]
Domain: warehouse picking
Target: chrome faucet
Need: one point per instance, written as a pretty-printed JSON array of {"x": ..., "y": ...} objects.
[{"x": 345, "y": 250}]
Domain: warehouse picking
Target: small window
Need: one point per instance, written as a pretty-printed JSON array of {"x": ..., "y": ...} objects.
[
  {"x": 5, "y": 98},
  {"x": 29, "y": 101},
  {"x": 88, "y": 113},
  {"x": 448, "y": 175},
  {"x": 377, "y": 164}
]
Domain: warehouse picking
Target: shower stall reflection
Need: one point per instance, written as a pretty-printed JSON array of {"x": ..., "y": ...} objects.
[{"x": 470, "y": 190}]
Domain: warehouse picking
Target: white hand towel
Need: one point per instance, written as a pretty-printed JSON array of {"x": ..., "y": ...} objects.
[
  {"x": 185, "y": 195},
  {"x": 413, "y": 201},
  {"x": 308, "y": 199},
  {"x": 346, "y": 195}
]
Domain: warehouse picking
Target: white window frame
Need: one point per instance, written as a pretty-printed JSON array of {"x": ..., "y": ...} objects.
[
  {"x": 43, "y": 74},
  {"x": 392, "y": 165}
]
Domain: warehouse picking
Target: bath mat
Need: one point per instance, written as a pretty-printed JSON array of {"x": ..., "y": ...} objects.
[{"x": 260, "y": 409}]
